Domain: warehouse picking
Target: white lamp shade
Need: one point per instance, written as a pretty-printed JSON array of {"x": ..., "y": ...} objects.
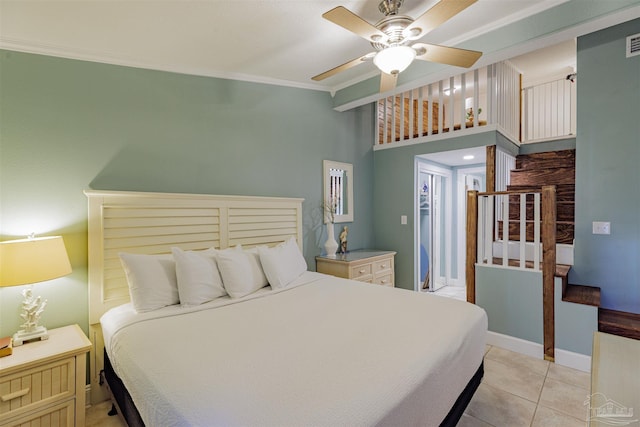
[
  {"x": 33, "y": 260},
  {"x": 394, "y": 59}
]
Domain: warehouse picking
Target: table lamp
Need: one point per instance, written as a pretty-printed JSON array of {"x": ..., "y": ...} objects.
[{"x": 28, "y": 261}]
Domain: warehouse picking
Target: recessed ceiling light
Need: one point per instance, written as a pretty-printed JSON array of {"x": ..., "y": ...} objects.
[{"x": 469, "y": 157}]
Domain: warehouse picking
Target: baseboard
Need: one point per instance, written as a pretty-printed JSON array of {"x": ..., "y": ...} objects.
[
  {"x": 578, "y": 361},
  {"x": 566, "y": 358},
  {"x": 87, "y": 395},
  {"x": 516, "y": 344}
]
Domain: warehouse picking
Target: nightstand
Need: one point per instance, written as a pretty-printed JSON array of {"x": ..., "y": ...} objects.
[
  {"x": 43, "y": 382},
  {"x": 364, "y": 265}
]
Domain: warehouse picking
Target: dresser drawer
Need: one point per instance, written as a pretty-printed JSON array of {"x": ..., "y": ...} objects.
[
  {"x": 360, "y": 271},
  {"x": 363, "y": 265},
  {"x": 383, "y": 267},
  {"x": 61, "y": 415},
  {"x": 386, "y": 280},
  {"x": 34, "y": 388}
]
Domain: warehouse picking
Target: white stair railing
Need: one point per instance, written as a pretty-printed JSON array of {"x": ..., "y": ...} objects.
[
  {"x": 495, "y": 242},
  {"x": 549, "y": 111}
]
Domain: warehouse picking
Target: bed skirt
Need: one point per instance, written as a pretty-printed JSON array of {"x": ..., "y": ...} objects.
[{"x": 122, "y": 399}]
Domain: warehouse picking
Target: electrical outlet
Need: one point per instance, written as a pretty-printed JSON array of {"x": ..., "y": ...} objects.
[
  {"x": 600, "y": 227},
  {"x": 403, "y": 220}
]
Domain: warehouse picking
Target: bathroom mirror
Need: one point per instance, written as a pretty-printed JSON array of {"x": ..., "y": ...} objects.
[{"x": 338, "y": 190}]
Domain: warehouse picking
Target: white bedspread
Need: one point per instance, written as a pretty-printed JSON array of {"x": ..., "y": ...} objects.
[{"x": 326, "y": 352}]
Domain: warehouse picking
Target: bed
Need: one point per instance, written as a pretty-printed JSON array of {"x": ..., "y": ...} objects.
[{"x": 311, "y": 350}]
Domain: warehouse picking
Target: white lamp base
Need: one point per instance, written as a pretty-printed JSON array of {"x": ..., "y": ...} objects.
[{"x": 23, "y": 336}]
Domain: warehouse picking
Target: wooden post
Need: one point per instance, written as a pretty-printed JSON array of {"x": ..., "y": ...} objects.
[
  {"x": 491, "y": 186},
  {"x": 548, "y": 268},
  {"x": 491, "y": 168},
  {"x": 472, "y": 244}
]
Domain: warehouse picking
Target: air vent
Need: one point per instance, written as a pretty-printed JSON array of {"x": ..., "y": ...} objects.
[{"x": 633, "y": 45}]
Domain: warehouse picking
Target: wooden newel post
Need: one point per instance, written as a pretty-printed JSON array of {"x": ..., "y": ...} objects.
[
  {"x": 472, "y": 244},
  {"x": 548, "y": 268}
]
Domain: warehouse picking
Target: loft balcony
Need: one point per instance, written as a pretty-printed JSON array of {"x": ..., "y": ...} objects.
[{"x": 490, "y": 98}]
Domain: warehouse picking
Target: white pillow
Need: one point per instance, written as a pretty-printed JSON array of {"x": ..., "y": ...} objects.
[
  {"x": 198, "y": 277},
  {"x": 283, "y": 263},
  {"x": 152, "y": 280},
  {"x": 241, "y": 271}
]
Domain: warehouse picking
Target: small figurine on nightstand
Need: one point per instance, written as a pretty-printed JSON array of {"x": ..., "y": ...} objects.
[
  {"x": 32, "y": 309},
  {"x": 343, "y": 240}
]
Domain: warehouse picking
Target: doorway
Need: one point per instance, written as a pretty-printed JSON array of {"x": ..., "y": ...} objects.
[
  {"x": 441, "y": 180},
  {"x": 433, "y": 227}
]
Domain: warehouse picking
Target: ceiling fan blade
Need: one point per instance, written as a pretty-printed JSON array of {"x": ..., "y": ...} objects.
[
  {"x": 388, "y": 81},
  {"x": 436, "y": 16},
  {"x": 446, "y": 55},
  {"x": 352, "y": 22},
  {"x": 343, "y": 67}
]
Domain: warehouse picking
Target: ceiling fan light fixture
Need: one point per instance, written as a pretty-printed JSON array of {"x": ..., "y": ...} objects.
[{"x": 394, "y": 59}]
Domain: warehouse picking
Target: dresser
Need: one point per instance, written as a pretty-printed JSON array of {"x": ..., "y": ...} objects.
[
  {"x": 43, "y": 383},
  {"x": 364, "y": 265}
]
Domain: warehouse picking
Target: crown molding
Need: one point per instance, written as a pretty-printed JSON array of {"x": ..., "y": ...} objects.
[{"x": 26, "y": 46}]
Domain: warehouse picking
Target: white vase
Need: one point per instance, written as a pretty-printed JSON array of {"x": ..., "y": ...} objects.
[{"x": 330, "y": 246}]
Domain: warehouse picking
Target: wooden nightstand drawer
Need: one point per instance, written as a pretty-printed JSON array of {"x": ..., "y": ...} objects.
[
  {"x": 386, "y": 280},
  {"x": 43, "y": 383},
  {"x": 34, "y": 388},
  {"x": 360, "y": 271},
  {"x": 58, "y": 415}
]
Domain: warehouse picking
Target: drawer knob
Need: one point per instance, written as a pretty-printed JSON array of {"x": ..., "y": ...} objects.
[
  {"x": 362, "y": 271},
  {"x": 15, "y": 394},
  {"x": 384, "y": 281},
  {"x": 383, "y": 266}
]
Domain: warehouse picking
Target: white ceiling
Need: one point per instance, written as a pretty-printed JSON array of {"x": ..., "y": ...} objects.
[
  {"x": 279, "y": 42},
  {"x": 474, "y": 156}
]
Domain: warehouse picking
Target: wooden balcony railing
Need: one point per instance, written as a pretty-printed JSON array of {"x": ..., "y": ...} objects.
[{"x": 489, "y": 224}]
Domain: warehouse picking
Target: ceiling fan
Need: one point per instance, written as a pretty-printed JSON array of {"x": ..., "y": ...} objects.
[{"x": 394, "y": 36}]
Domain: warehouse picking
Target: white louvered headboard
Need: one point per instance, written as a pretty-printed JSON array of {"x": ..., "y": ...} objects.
[{"x": 152, "y": 223}]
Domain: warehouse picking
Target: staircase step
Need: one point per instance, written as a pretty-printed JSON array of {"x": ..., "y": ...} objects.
[
  {"x": 564, "y": 192},
  {"x": 577, "y": 294},
  {"x": 619, "y": 323},
  {"x": 582, "y": 294},
  {"x": 561, "y": 269},
  {"x": 547, "y": 159},
  {"x": 540, "y": 176},
  {"x": 564, "y": 231}
]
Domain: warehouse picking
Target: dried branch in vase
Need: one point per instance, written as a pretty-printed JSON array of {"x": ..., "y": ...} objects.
[{"x": 330, "y": 207}]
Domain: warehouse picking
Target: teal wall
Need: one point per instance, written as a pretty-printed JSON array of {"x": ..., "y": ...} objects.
[
  {"x": 394, "y": 183},
  {"x": 67, "y": 125},
  {"x": 541, "y": 147},
  {"x": 513, "y": 302},
  {"x": 608, "y": 167},
  {"x": 574, "y": 323}
]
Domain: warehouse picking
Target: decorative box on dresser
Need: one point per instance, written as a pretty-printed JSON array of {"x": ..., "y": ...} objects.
[
  {"x": 364, "y": 265},
  {"x": 43, "y": 383}
]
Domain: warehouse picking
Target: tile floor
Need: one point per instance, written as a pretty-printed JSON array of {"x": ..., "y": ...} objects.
[
  {"x": 516, "y": 390},
  {"x": 457, "y": 292}
]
